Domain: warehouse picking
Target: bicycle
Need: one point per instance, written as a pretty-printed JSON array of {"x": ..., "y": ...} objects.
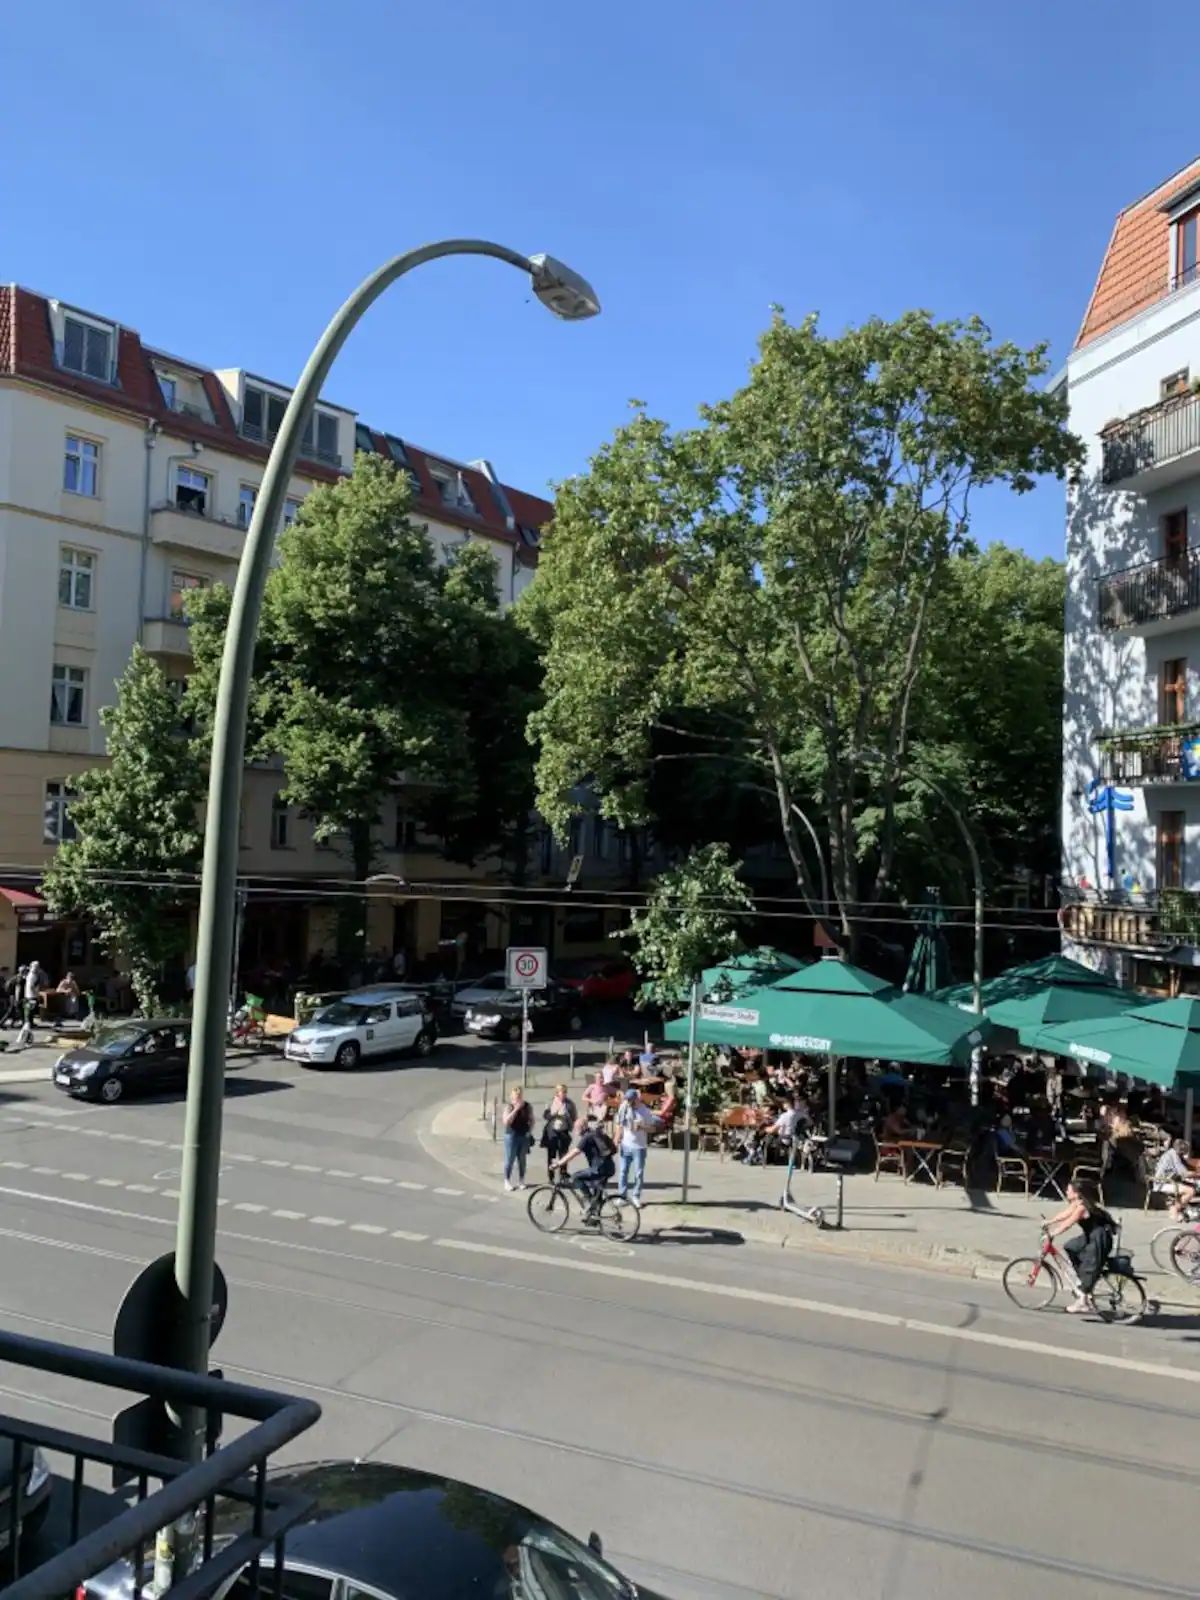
[
  {"x": 246, "y": 1028},
  {"x": 549, "y": 1208},
  {"x": 1162, "y": 1242},
  {"x": 1032, "y": 1282}
]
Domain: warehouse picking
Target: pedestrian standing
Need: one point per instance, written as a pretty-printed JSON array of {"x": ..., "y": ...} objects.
[
  {"x": 35, "y": 982},
  {"x": 518, "y": 1136},
  {"x": 558, "y": 1120},
  {"x": 634, "y": 1122},
  {"x": 595, "y": 1097}
]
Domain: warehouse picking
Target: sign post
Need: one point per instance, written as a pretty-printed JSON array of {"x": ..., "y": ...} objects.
[{"x": 526, "y": 968}]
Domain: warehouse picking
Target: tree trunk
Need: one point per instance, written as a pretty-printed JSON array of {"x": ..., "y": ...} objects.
[{"x": 352, "y": 920}]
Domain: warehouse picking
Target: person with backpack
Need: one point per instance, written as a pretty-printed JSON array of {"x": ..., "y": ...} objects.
[
  {"x": 1090, "y": 1252},
  {"x": 518, "y": 1136},
  {"x": 597, "y": 1149}
]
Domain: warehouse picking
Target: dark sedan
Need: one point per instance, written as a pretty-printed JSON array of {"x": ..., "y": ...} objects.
[
  {"x": 127, "y": 1058},
  {"x": 552, "y": 1010}
]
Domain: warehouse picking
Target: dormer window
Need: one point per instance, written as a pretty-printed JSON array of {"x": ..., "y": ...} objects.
[
  {"x": 452, "y": 489},
  {"x": 1186, "y": 243},
  {"x": 1175, "y": 383},
  {"x": 87, "y": 348},
  {"x": 168, "y": 386},
  {"x": 262, "y": 414},
  {"x": 320, "y": 441}
]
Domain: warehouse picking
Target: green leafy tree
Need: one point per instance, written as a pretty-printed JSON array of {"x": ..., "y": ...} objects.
[
  {"x": 130, "y": 867},
  {"x": 691, "y": 920},
  {"x": 377, "y": 664},
  {"x": 760, "y": 592}
]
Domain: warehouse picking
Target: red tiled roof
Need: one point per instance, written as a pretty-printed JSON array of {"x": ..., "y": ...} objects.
[
  {"x": 27, "y": 349},
  {"x": 1136, "y": 270}
]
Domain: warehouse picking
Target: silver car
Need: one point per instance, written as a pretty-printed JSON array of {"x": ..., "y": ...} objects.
[{"x": 366, "y": 1023}]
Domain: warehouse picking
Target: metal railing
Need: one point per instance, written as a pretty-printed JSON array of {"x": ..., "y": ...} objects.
[
  {"x": 234, "y": 1472},
  {"x": 309, "y": 449},
  {"x": 1149, "y": 922},
  {"x": 1163, "y": 433},
  {"x": 1151, "y": 591},
  {"x": 1152, "y": 755}
]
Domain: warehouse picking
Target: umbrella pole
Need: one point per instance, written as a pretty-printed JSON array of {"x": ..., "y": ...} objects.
[
  {"x": 691, "y": 1085},
  {"x": 1189, "y": 1107},
  {"x": 833, "y": 1097}
]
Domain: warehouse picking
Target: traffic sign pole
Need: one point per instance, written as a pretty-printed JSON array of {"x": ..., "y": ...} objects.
[{"x": 524, "y": 1038}]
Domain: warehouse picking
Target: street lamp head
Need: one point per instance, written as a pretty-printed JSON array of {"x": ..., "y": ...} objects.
[{"x": 562, "y": 291}]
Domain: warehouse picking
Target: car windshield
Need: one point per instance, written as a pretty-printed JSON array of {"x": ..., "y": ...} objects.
[
  {"x": 342, "y": 1014},
  {"x": 549, "y": 1562},
  {"x": 117, "y": 1037}
]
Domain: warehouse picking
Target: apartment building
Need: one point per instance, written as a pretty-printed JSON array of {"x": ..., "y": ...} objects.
[
  {"x": 1131, "y": 720},
  {"x": 128, "y": 477}
]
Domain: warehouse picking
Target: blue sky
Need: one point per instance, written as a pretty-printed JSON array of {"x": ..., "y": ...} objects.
[{"x": 220, "y": 174}]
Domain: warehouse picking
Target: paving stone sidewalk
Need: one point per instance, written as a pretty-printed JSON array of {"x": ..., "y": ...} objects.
[{"x": 946, "y": 1230}]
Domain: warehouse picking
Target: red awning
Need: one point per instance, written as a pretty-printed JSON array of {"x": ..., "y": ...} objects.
[{"x": 22, "y": 900}]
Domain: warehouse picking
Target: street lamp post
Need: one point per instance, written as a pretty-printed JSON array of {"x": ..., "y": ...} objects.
[{"x": 569, "y": 297}]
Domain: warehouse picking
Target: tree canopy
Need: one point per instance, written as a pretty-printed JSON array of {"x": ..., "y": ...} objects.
[
  {"x": 130, "y": 867},
  {"x": 764, "y": 592},
  {"x": 691, "y": 920}
]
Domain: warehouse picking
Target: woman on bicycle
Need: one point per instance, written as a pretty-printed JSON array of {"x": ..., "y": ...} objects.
[{"x": 1091, "y": 1250}]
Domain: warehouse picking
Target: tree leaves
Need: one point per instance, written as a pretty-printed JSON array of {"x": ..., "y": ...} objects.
[{"x": 690, "y": 921}]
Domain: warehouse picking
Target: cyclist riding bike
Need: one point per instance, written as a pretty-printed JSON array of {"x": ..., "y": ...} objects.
[
  {"x": 597, "y": 1149},
  {"x": 1090, "y": 1252}
]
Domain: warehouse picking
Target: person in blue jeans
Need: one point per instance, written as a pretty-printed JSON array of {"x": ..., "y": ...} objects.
[
  {"x": 634, "y": 1124},
  {"x": 518, "y": 1136}
]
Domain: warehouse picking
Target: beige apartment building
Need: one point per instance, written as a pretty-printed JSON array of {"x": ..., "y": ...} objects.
[{"x": 127, "y": 477}]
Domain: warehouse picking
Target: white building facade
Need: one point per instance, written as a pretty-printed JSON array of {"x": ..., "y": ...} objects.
[
  {"x": 1131, "y": 720},
  {"x": 127, "y": 477}
]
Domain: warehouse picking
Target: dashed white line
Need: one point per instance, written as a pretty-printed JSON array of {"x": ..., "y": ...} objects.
[
  {"x": 449, "y": 1191},
  {"x": 366, "y": 1227},
  {"x": 336, "y": 1172},
  {"x": 371, "y": 1178},
  {"x": 20, "y": 1165},
  {"x": 299, "y": 1167},
  {"x": 45, "y": 1172},
  {"x": 289, "y": 1216},
  {"x": 111, "y": 1183},
  {"x": 413, "y": 1238},
  {"x": 247, "y": 1205},
  {"x": 141, "y": 1188},
  {"x": 273, "y": 1161},
  {"x": 169, "y": 1194},
  {"x": 75, "y": 1177},
  {"x": 407, "y": 1183},
  {"x": 327, "y": 1222}
]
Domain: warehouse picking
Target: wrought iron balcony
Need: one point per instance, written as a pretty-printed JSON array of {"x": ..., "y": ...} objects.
[
  {"x": 1159, "y": 435},
  {"x": 1151, "y": 591},
  {"x": 1151, "y": 755},
  {"x": 1145, "y": 922}
]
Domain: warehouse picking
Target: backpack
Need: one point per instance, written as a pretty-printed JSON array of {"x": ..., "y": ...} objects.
[{"x": 604, "y": 1144}]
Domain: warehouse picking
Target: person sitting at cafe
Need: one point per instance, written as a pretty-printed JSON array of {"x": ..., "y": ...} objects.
[
  {"x": 1174, "y": 1176},
  {"x": 595, "y": 1096},
  {"x": 760, "y": 1089},
  {"x": 611, "y": 1076},
  {"x": 896, "y": 1126},
  {"x": 1042, "y": 1129},
  {"x": 1007, "y": 1143}
]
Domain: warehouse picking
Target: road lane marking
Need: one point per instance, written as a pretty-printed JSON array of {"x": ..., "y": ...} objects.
[
  {"x": 298, "y": 1166},
  {"x": 141, "y": 1188},
  {"x": 366, "y": 1227},
  {"x": 111, "y": 1183},
  {"x": 449, "y": 1191},
  {"x": 19, "y": 1164},
  {"x": 407, "y": 1183},
  {"x": 327, "y": 1222},
  {"x": 75, "y": 1177},
  {"x": 371, "y": 1178},
  {"x": 273, "y": 1161},
  {"x": 289, "y": 1216},
  {"x": 413, "y": 1238},
  {"x": 247, "y": 1205},
  {"x": 45, "y": 1172}
]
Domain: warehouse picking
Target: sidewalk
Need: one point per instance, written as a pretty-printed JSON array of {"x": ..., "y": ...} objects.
[
  {"x": 950, "y": 1230},
  {"x": 31, "y": 1064}
]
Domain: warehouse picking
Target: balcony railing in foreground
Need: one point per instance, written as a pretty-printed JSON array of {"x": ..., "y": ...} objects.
[
  {"x": 1151, "y": 591},
  {"x": 1150, "y": 438},
  {"x": 1158, "y": 922},
  {"x": 235, "y": 1472},
  {"x": 1169, "y": 754}
]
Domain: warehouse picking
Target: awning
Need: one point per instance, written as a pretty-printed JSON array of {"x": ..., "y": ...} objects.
[{"x": 22, "y": 900}]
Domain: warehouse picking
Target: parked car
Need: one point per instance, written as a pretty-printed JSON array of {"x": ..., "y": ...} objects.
[
  {"x": 614, "y": 979},
  {"x": 551, "y": 1010},
  {"x": 475, "y": 991},
  {"x": 126, "y": 1058},
  {"x": 368, "y": 1022},
  {"x": 35, "y": 1495},
  {"x": 393, "y": 1533}
]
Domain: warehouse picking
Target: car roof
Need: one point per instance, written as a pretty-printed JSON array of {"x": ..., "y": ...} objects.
[
  {"x": 149, "y": 1022},
  {"x": 402, "y": 1531},
  {"x": 377, "y": 993}
]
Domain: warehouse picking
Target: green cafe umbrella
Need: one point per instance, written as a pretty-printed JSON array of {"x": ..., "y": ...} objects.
[
  {"x": 833, "y": 1008},
  {"x": 749, "y": 969},
  {"x": 1043, "y": 994},
  {"x": 1159, "y": 1042}
]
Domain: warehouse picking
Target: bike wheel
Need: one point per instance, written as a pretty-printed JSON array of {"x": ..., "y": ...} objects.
[
  {"x": 1160, "y": 1245},
  {"x": 619, "y": 1219},
  {"x": 1030, "y": 1282},
  {"x": 1185, "y": 1255},
  {"x": 548, "y": 1208},
  {"x": 1119, "y": 1298}
]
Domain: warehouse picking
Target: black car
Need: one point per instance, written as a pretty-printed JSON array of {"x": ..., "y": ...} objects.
[
  {"x": 394, "y": 1534},
  {"x": 35, "y": 1492},
  {"x": 127, "y": 1058},
  {"x": 554, "y": 1009}
]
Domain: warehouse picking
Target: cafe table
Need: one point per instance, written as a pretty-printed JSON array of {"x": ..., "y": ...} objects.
[{"x": 919, "y": 1155}]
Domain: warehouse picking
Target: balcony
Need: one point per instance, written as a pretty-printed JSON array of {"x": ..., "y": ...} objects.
[
  {"x": 190, "y": 530},
  {"x": 1153, "y": 592},
  {"x": 1156, "y": 446},
  {"x": 166, "y": 636},
  {"x": 1151, "y": 923},
  {"x": 1151, "y": 755},
  {"x": 308, "y": 450}
]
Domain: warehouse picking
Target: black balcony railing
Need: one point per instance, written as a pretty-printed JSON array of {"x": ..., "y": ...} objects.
[
  {"x": 1151, "y": 591},
  {"x": 234, "y": 1472},
  {"x": 1150, "y": 438},
  {"x": 1151, "y": 755},
  {"x": 1154, "y": 922}
]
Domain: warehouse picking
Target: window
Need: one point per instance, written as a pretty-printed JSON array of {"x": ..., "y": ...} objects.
[
  {"x": 1174, "y": 383},
  {"x": 67, "y": 689},
  {"x": 262, "y": 414},
  {"x": 599, "y": 838},
  {"x": 87, "y": 349},
  {"x": 75, "y": 570},
  {"x": 320, "y": 441},
  {"x": 183, "y": 583},
  {"x": 406, "y": 830},
  {"x": 57, "y": 826},
  {"x": 280, "y": 818},
  {"x": 247, "y": 497},
  {"x": 1170, "y": 850},
  {"x": 291, "y": 510},
  {"x": 192, "y": 490},
  {"x": 1175, "y": 535},
  {"x": 81, "y": 466},
  {"x": 1187, "y": 257},
  {"x": 363, "y": 439},
  {"x": 1172, "y": 692},
  {"x": 168, "y": 386},
  {"x": 452, "y": 489}
]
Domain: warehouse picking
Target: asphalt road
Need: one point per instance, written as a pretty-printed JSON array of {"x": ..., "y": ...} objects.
[{"x": 735, "y": 1421}]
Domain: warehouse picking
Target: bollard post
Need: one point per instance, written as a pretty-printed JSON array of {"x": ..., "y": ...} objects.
[
  {"x": 483, "y": 1105},
  {"x": 495, "y": 1118},
  {"x": 841, "y": 1183},
  {"x": 610, "y": 1047},
  {"x": 504, "y": 1083},
  {"x": 571, "y": 1064}
]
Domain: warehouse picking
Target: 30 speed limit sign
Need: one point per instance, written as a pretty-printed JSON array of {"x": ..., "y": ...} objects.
[{"x": 527, "y": 967}]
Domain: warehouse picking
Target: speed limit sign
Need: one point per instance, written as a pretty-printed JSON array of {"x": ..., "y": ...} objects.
[{"x": 527, "y": 967}]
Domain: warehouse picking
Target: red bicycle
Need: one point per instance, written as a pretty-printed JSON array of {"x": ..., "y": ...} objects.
[{"x": 1033, "y": 1282}]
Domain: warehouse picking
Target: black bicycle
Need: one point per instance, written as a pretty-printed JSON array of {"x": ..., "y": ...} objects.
[{"x": 549, "y": 1208}]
